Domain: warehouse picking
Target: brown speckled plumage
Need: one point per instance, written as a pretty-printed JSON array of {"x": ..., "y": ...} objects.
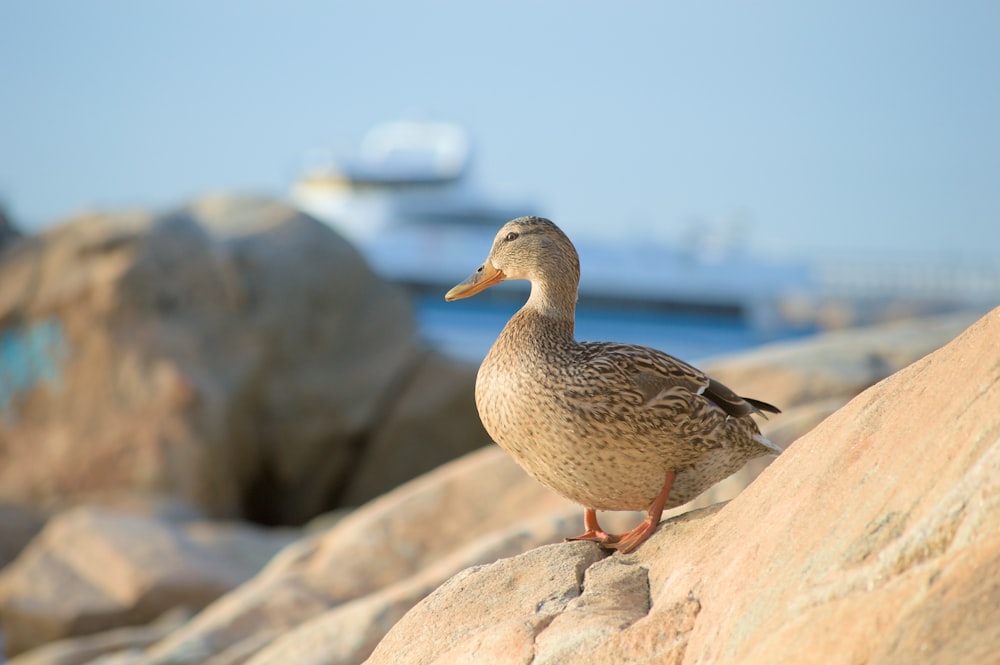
[{"x": 599, "y": 423}]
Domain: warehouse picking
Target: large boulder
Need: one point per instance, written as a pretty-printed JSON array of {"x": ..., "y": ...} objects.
[
  {"x": 93, "y": 569},
  {"x": 234, "y": 353},
  {"x": 875, "y": 538}
]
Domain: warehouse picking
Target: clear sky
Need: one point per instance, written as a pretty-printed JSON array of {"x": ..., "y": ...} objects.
[{"x": 823, "y": 125}]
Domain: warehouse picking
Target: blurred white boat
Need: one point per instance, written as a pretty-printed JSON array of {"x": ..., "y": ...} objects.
[
  {"x": 407, "y": 200},
  {"x": 405, "y": 175}
]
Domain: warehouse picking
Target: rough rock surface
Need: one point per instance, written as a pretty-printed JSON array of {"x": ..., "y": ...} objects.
[
  {"x": 92, "y": 569},
  {"x": 234, "y": 353},
  {"x": 357, "y": 578},
  {"x": 875, "y": 538}
]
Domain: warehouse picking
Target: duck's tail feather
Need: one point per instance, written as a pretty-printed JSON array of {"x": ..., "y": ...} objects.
[{"x": 761, "y": 407}]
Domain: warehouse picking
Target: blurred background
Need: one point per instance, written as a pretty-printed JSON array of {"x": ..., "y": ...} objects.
[
  {"x": 778, "y": 152},
  {"x": 181, "y": 341},
  {"x": 827, "y": 125}
]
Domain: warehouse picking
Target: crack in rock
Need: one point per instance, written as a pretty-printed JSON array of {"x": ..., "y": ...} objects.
[{"x": 614, "y": 594}]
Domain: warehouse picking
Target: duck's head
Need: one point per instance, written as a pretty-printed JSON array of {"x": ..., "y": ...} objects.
[{"x": 530, "y": 248}]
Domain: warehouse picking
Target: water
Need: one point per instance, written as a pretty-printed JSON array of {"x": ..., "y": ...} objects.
[
  {"x": 30, "y": 355},
  {"x": 466, "y": 329}
]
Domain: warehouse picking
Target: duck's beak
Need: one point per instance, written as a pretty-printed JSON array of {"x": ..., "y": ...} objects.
[{"x": 485, "y": 277}]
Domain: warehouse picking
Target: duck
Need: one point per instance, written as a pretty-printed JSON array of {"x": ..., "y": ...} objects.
[{"x": 610, "y": 426}]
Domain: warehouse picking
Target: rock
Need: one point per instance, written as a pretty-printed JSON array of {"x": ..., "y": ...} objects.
[
  {"x": 8, "y": 232},
  {"x": 535, "y": 588},
  {"x": 467, "y": 512},
  {"x": 874, "y": 539},
  {"x": 409, "y": 438},
  {"x": 18, "y": 525},
  {"x": 92, "y": 570},
  {"x": 81, "y": 650},
  {"x": 235, "y": 353},
  {"x": 347, "y": 633},
  {"x": 838, "y": 364},
  {"x": 812, "y": 378}
]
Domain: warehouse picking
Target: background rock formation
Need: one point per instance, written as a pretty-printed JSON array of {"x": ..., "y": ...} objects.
[
  {"x": 235, "y": 354},
  {"x": 96, "y": 569}
]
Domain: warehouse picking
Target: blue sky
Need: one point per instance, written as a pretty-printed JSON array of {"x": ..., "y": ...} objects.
[{"x": 825, "y": 126}]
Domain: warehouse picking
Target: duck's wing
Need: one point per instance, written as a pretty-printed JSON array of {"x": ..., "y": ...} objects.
[{"x": 644, "y": 376}]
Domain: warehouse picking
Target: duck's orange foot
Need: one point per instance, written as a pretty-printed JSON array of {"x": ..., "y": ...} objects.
[
  {"x": 630, "y": 540},
  {"x": 625, "y": 543},
  {"x": 594, "y": 531},
  {"x": 598, "y": 536}
]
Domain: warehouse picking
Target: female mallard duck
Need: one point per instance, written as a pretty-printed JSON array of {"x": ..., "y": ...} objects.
[{"x": 609, "y": 426}]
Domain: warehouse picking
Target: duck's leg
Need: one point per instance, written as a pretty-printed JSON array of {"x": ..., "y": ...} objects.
[
  {"x": 630, "y": 540},
  {"x": 593, "y": 530}
]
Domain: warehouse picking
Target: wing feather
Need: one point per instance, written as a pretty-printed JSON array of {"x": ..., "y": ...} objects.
[{"x": 646, "y": 376}]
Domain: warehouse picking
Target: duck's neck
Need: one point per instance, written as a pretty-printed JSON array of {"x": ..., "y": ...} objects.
[{"x": 555, "y": 304}]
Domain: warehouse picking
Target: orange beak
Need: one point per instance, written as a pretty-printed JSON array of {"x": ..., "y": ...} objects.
[{"x": 478, "y": 281}]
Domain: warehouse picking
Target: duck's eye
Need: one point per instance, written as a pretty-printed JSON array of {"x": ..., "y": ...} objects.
[{"x": 512, "y": 236}]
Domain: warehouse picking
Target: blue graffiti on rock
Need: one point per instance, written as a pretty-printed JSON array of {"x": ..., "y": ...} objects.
[{"x": 30, "y": 356}]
